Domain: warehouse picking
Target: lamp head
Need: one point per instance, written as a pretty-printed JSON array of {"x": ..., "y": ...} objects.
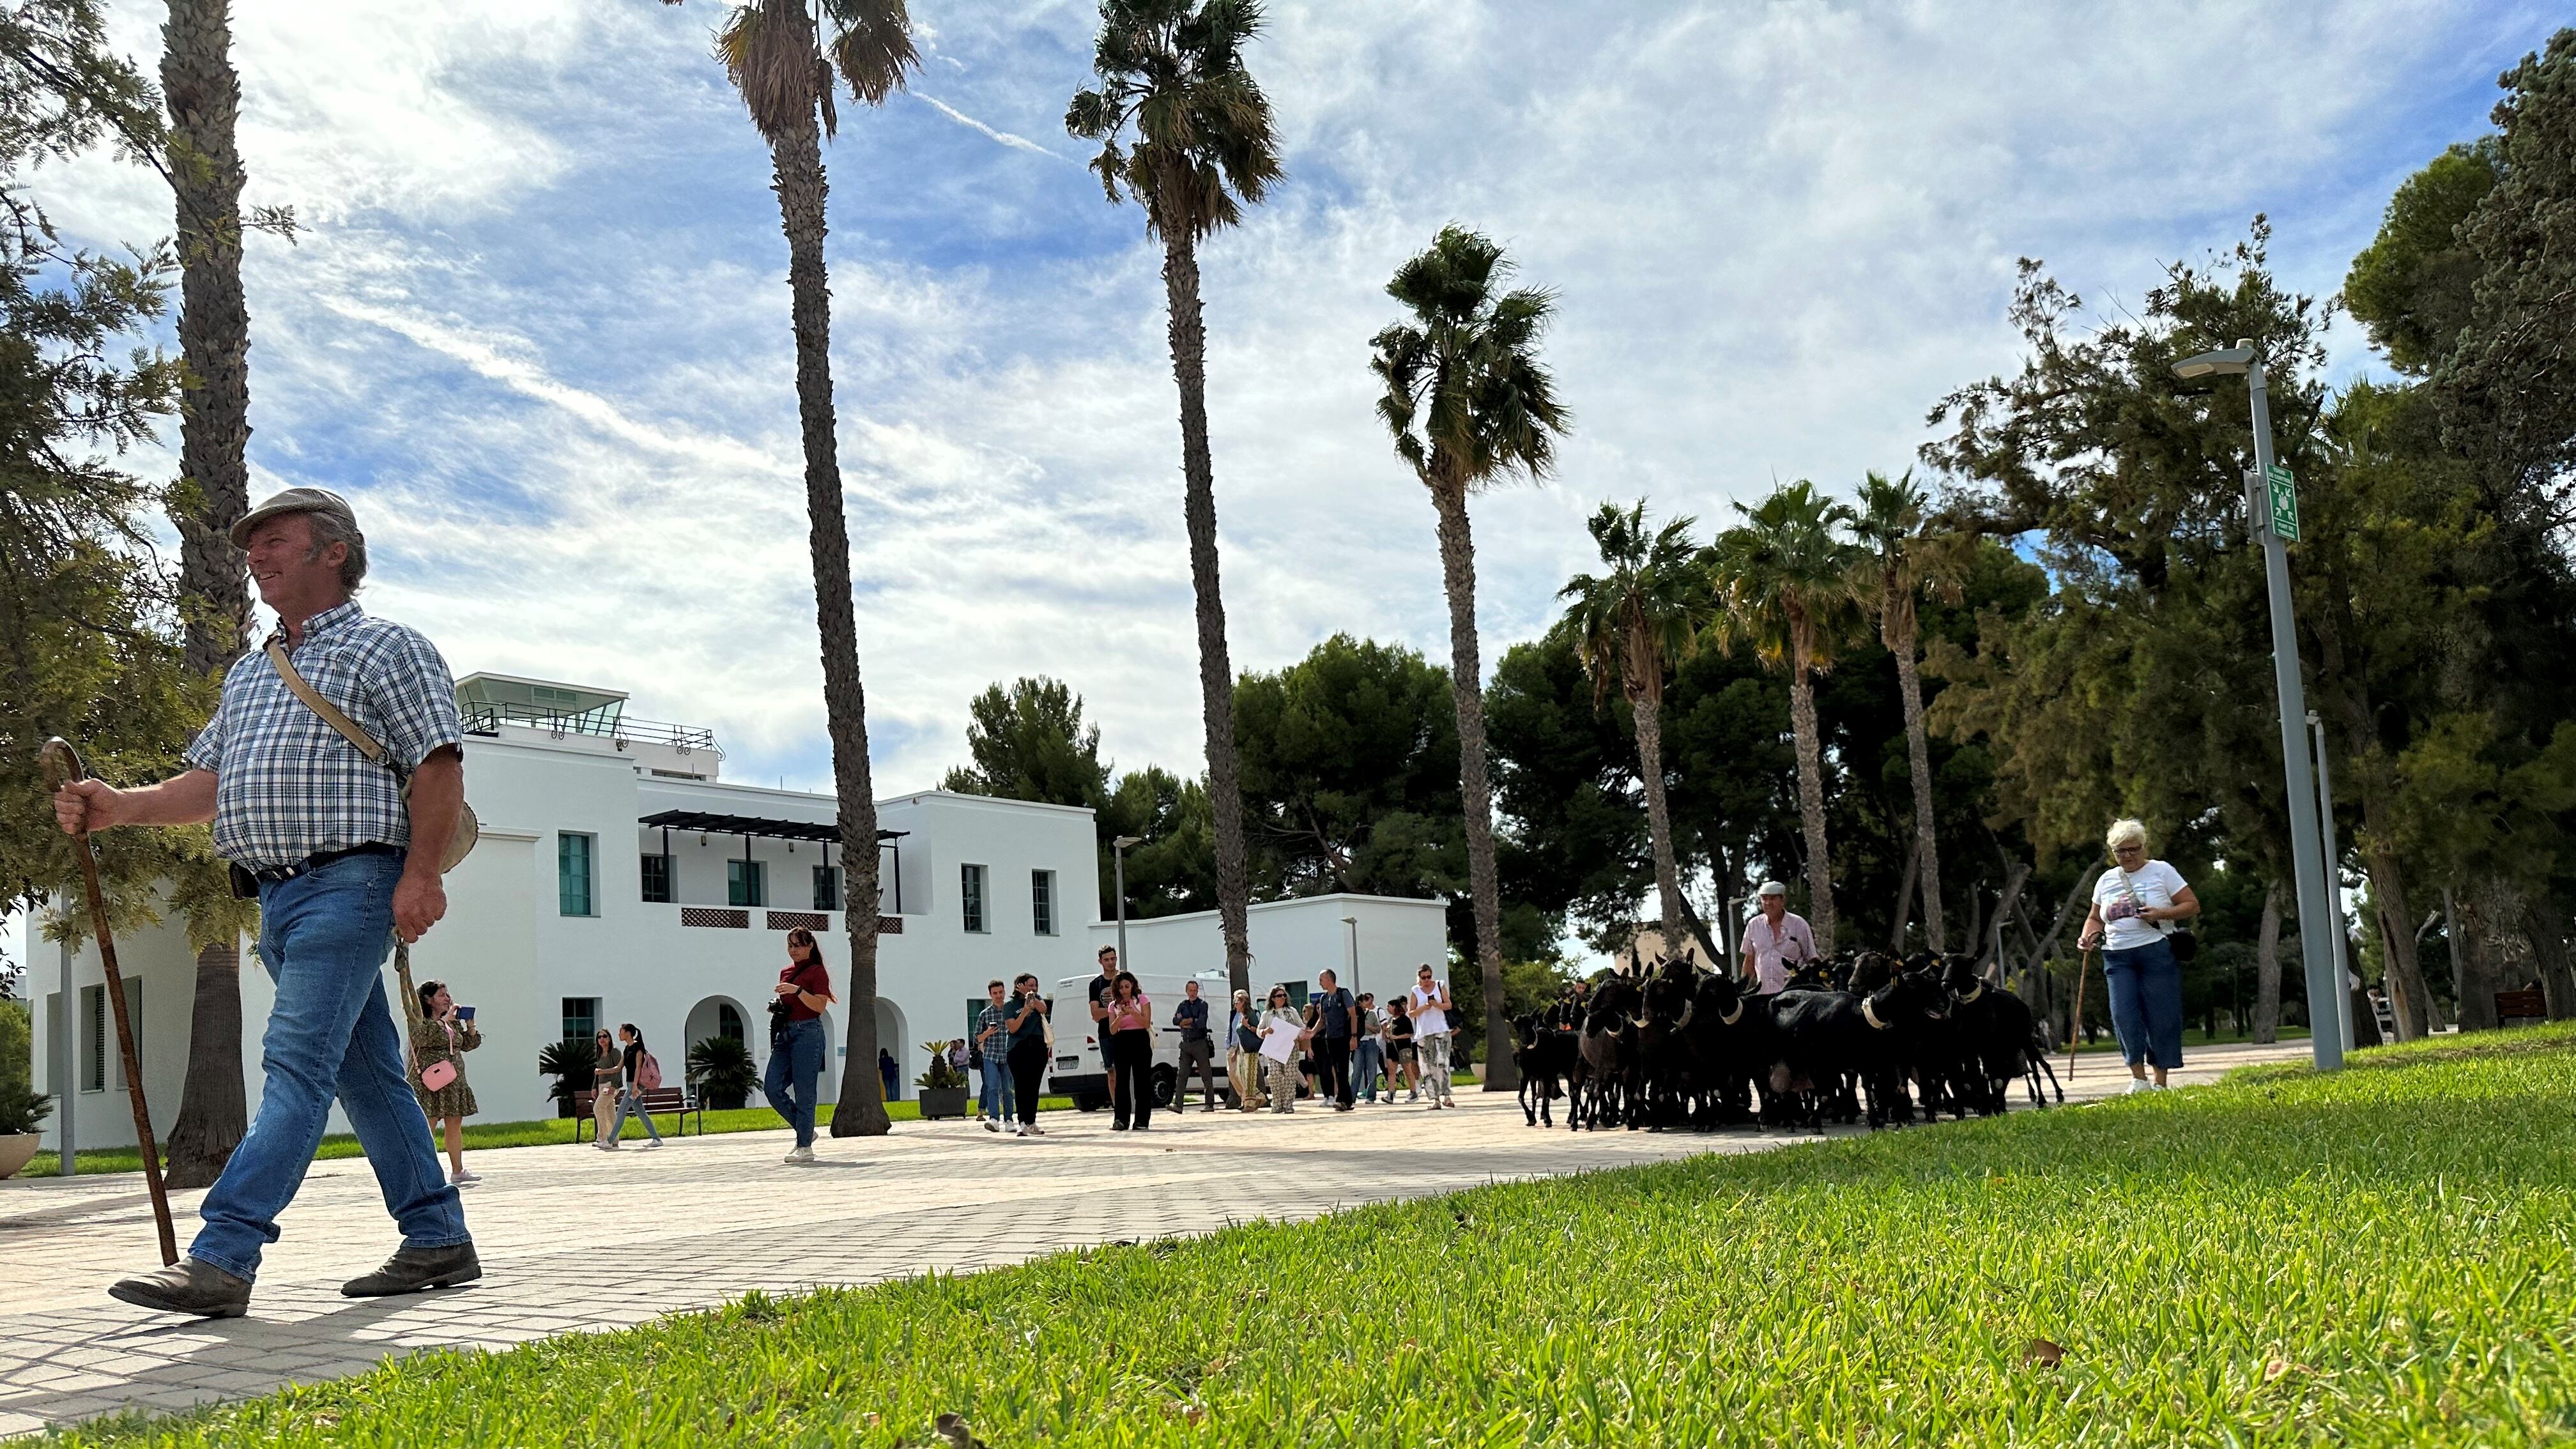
[
  {"x": 2225, "y": 362},
  {"x": 1124, "y": 841}
]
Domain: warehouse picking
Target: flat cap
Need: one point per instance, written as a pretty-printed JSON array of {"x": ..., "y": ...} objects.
[
  {"x": 294, "y": 500},
  {"x": 1772, "y": 888}
]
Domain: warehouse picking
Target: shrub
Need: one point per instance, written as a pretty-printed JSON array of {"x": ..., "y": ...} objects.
[
  {"x": 721, "y": 1068},
  {"x": 21, "y": 1108},
  {"x": 570, "y": 1062},
  {"x": 943, "y": 1074}
]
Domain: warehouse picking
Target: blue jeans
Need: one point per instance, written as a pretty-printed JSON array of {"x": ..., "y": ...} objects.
[
  {"x": 631, "y": 1102},
  {"x": 794, "y": 1063},
  {"x": 1364, "y": 1067},
  {"x": 996, "y": 1101},
  {"x": 323, "y": 938},
  {"x": 2146, "y": 1003}
]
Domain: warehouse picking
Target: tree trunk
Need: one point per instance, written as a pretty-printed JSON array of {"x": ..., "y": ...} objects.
[
  {"x": 1811, "y": 806},
  {"x": 2267, "y": 968},
  {"x": 2545, "y": 924},
  {"x": 1905, "y": 899},
  {"x": 1918, "y": 758},
  {"x": 2477, "y": 969},
  {"x": 213, "y": 1114},
  {"x": 1475, "y": 786},
  {"x": 204, "y": 98},
  {"x": 1659, "y": 821},
  {"x": 2410, "y": 1001},
  {"x": 797, "y": 157},
  {"x": 1216, "y": 669}
]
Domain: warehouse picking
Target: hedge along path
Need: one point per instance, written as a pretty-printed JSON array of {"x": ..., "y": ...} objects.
[{"x": 2379, "y": 1257}]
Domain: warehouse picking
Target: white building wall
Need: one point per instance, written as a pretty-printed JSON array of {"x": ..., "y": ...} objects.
[{"x": 1294, "y": 940}]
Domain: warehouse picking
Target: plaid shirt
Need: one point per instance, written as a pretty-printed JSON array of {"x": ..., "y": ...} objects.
[{"x": 287, "y": 785}]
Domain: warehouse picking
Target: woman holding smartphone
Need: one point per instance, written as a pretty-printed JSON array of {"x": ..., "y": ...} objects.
[
  {"x": 607, "y": 1074},
  {"x": 1130, "y": 1021},
  {"x": 796, "y": 1043},
  {"x": 441, "y": 1033},
  {"x": 1028, "y": 1055}
]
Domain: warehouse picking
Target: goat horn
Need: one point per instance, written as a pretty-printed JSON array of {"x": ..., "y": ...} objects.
[
  {"x": 1688, "y": 1007},
  {"x": 1730, "y": 1018}
]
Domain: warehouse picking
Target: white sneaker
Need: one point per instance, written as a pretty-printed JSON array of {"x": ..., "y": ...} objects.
[
  {"x": 608, "y": 1146},
  {"x": 2140, "y": 1084},
  {"x": 1036, "y": 1131},
  {"x": 992, "y": 1126},
  {"x": 464, "y": 1177},
  {"x": 1020, "y": 1131},
  {"x": 800, "y": 1156},
  {"x": 649, "y": 1144}
]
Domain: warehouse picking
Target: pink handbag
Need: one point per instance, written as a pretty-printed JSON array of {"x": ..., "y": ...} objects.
[{"x": 438, "y": 1074}]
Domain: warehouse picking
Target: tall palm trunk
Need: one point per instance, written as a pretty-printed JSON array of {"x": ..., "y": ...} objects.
[
  {"x": 1811, "y": 804},
  {"x": 204, "y": 97},
  {"x": 2267, "y": 968},
  {"x": 1216, "y": 668},
  {"x": 1475, "y": 785},
  {"x": 1649, "y": 713},
  {"x": 797, "y": 159},
  {"x": 1918, "y": 759}
]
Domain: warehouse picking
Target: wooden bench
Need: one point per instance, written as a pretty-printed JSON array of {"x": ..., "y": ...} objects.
[
  {"x": 672, "y": 1103},
  {"x": 2528, "y": 1004}
]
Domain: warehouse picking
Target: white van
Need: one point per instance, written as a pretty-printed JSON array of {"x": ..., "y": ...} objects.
[{"x": 1076, "y": 1071}]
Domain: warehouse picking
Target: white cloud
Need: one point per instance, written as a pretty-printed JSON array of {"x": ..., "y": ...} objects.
[{"x": 540, "y": 325}]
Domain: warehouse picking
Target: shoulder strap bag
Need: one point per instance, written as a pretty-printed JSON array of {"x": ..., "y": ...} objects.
[
  {"x": 2185, "y": 945},
  {"x": 468, "y": 828}
]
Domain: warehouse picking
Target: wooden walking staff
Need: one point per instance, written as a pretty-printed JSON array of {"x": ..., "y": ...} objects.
[{"x": 62, "y": 766}]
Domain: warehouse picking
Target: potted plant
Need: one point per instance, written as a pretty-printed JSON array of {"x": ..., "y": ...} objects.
[
  {"x": 570, "y": 1062},
  {"x": 943, "y": 1087},
  {"x": 720, "y": 1067},
  {"x": 21, "y": 1109}
]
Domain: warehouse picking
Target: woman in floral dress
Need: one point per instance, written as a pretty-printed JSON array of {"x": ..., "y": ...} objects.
[{"x": 439, "y": 1035}]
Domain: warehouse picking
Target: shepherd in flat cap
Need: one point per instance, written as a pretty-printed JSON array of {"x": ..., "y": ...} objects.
[
  {"x": 1777, "y": 941},
  {"x": 341, "y": 863}
]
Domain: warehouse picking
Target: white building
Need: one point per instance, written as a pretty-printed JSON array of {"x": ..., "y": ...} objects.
[{"x": 621, "y": 879}]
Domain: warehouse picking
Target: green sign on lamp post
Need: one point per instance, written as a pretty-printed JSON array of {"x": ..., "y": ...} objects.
[{"x": 2285, "y": 502}]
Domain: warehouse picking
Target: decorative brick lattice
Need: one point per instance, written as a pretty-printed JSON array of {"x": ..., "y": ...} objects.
[
  {"x": 799, "y": 920},
  {"x": 726, "y": 917},
  {"x": 889, "y": 925}
]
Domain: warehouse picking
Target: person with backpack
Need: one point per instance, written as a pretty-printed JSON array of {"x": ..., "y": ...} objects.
[
  {"x": 639, "y": 1074},
  {"x": 1333, "y": 1015}
]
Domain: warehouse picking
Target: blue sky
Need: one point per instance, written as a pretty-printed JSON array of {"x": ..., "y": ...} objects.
[{"x": 537, "y": 326}]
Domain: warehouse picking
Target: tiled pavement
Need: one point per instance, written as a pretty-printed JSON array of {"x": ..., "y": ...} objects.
[{"x": 574, "y": 1239}]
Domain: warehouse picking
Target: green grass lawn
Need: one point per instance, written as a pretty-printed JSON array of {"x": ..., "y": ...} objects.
[
  {"x": 2380, "y": 1257},
  {"x": 490, "y": 1136}
]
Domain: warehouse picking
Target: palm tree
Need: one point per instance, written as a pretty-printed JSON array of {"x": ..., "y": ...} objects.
[
  {"x": 782, "y": 62},
  {"x": 1784, "y": 575},
  {"x": 1630, "y": 624},
  {"x": 1201, "y": 147},
  {"x": 1898, "y": 563},
  {"x": 205, "y": 172},
  {"x": 1469, "y": 405}
]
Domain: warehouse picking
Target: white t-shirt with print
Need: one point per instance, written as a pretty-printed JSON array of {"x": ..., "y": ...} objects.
[{"x": 2155, "y": 883}]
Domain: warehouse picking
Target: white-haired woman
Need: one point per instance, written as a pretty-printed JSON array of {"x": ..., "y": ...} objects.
[{"x": 2136, "y": 905}]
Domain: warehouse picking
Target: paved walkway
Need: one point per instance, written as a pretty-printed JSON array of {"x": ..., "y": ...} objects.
[{"x": 706, "y": 1220}]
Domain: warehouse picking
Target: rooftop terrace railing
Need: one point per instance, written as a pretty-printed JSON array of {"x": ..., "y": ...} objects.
[{"x": 487, "y": 719}]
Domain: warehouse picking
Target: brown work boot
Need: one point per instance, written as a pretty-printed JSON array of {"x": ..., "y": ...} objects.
[
  {"x": 413, "y": 1269},
  {"x": 186, "y": 1286}
]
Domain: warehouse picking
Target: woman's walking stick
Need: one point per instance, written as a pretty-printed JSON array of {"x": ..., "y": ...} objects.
[
  {"x": 2075, "y": 1031},
  {"x": 62, "y": 765}
]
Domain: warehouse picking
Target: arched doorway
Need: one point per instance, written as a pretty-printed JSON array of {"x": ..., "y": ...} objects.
[
  {"x": 891, "y": 1037},
  {"x": 723, "y": 1017}
]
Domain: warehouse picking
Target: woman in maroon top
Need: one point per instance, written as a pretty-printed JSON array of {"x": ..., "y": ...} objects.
[{"x": 796, "y": 1043}]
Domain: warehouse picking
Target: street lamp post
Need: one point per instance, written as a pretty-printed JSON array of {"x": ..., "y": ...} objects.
[
  {"x": 2307, "y": 854},
  {"x": 1118, "y": 848},
  {"x": 1354, "y": 923},
  {"x": 2334, "y": 886}
]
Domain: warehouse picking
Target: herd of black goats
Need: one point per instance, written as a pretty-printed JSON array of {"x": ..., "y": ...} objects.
[{"x": 1677, "y": 1047}]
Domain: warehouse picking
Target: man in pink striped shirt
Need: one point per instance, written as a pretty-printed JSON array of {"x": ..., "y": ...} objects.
[{"x": 1776, "y": 942}]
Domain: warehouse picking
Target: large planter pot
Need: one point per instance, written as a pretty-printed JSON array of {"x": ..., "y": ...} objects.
[
  {"x": 937, "y": 1102},
  {"x": 722, "y": 1102},
  {"x": 15, "y": 1149}
]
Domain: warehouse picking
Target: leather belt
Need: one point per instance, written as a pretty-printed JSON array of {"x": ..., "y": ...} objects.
[{"x": 277, "y": 873}]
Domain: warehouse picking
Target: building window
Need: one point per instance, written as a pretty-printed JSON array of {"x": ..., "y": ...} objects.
[
  {"x": 657, "y": 880},
  {"x": 1042, "y": 901},
  {"x": 827, "y": 887},
  {"x": 728, "y": 1021},
  {"x": 746, "y": 883},
  {"x": 970, "y": 891},
  {"x": 573, "y": 855},
  {"x": 98, "y": 1032},
  {"x": 580, "y": 1017}
]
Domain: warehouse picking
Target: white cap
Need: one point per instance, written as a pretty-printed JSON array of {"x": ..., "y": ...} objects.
[{"x": 1772, "y": 888}]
